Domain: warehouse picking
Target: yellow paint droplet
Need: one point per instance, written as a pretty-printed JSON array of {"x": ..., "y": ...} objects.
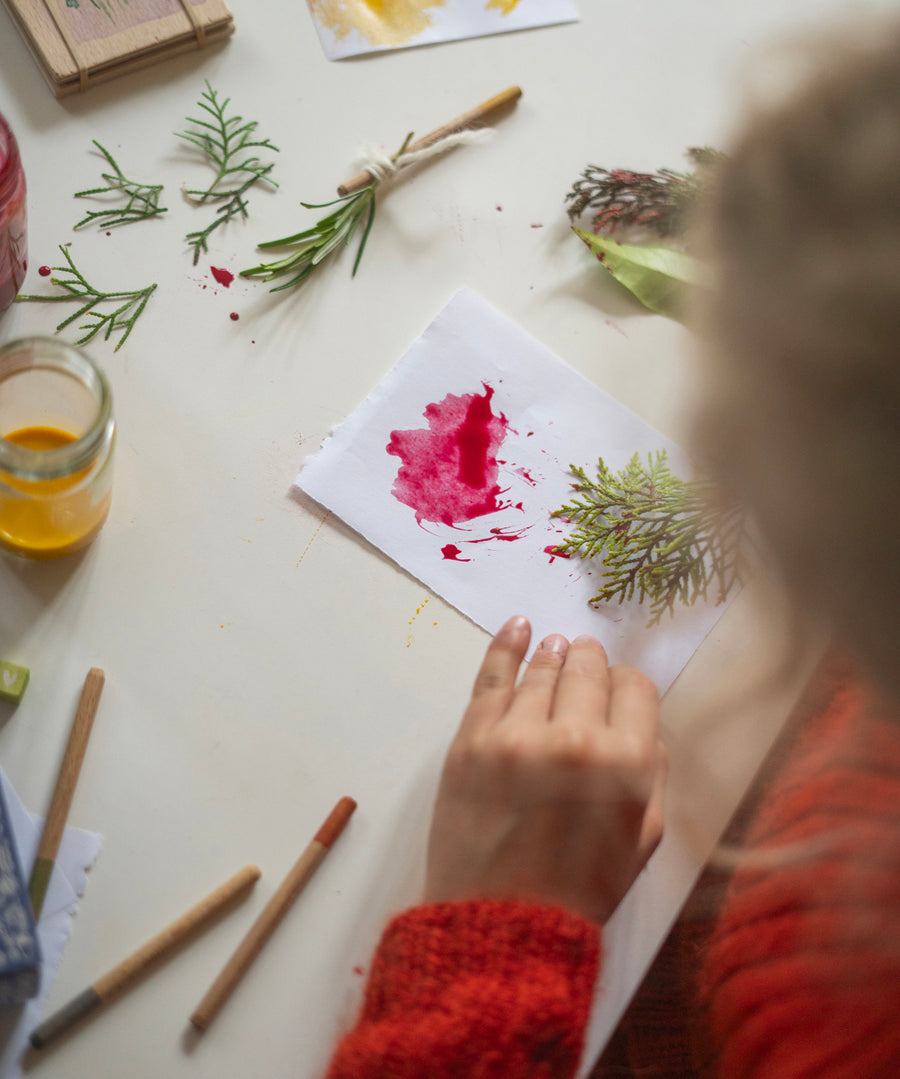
[{"x": 505, "y": 6}]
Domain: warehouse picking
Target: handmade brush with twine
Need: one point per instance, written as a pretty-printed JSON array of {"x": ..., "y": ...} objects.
[{"x": 356, "y": 197}]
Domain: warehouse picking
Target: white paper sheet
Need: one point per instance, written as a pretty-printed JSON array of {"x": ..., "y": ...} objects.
[
  {"x": 498, "y": 564},
  {"x": 351, "y": 27},
  {"x": 77, "y": 853}
]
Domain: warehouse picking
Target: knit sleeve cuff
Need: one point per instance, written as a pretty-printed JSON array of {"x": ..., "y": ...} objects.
[{"x": 482, "y": 988}]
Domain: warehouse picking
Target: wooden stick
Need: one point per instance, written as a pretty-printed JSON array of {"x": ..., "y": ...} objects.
[
  {"x": 480, "y": 114},
  {"x": 271, "y": 915},
  {"x": 129, "y": 970},
  {"x": 55, "y": 823}
]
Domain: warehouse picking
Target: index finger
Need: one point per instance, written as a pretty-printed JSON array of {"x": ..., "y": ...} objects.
[{"x": 495, "y": 682}]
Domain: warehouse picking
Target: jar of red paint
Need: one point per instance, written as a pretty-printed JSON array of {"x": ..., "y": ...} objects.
[{"x": 13, "y": 239}]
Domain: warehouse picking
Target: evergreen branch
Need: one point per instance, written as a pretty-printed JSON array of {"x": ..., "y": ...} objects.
[
  {"x": 143, "y": 199},
  {"x": 226, "y": 142},
  {"x": 235, "y": 206},
  {"x": 314, "y": 245},
  {"x": 658, "y": 536},
  {"x": 76, "y": 287}
]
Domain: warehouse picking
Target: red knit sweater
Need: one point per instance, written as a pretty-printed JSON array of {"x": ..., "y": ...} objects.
[{"x": 801, "y": 979}]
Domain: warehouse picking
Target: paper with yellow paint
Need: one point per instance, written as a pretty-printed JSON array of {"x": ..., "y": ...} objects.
[{"x": 351, "y": 27}]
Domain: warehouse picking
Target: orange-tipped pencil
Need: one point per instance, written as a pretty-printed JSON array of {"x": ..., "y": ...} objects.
[{"x": 293, "y": 884}]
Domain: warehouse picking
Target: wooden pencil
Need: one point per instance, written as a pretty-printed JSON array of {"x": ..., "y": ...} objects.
[
  {"x": 272, "y": 913},
  {"x": 479, "y": 115},
  {"x": 64, "y": 790},
  {"x": 131, "y": 969}
]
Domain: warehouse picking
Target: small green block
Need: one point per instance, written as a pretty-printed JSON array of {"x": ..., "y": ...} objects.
[{"x": 13, "y": 680}]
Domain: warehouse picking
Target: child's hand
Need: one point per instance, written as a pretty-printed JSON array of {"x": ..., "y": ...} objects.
[{"x": 552, "y": 790}]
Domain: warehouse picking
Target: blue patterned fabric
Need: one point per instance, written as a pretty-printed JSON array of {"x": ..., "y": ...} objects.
[{"x": 20, "y": 973}]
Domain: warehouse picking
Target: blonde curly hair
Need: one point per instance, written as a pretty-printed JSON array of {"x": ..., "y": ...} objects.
[{"x": 800, "y": 415}]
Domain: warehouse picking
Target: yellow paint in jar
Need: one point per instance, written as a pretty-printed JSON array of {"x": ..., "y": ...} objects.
[{"x": 55, "y": 484}]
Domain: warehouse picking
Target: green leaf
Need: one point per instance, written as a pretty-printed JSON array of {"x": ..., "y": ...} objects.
[{"x": 656, "y": 276}]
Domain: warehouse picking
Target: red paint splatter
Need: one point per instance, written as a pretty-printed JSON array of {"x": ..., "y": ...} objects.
[
  {"x": 527, "y": 476},
  {"x": 451, "y": 552},
  {"x": 44, "y": 271},
  {"x": 359, "y": 971},
  {"x": 449, "y": 469},
  {"x": 109, "y": 234},
  {"x": 537, "y": 226},
  {"x": 555, "y": 552},
  {"x": 234, "y": 316},
  {"x": 499, "y": 209},
  {"x": 223, "y": 277},
  {"x": 502, "y": 534}
]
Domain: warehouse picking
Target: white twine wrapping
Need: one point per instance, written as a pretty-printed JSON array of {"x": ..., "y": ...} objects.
[{"x": 381, "y": 166}]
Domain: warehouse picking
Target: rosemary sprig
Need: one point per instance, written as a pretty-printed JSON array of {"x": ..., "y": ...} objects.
[
  {"x": 657, "y": 536},
  {"x": 76, "y": 287},
  {"x": 143, "y": 199},
  {"x": 227, "y": 142},
  {"x": 315, "y": 244}
]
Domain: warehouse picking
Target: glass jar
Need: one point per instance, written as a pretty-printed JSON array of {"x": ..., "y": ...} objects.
[
  {"x": 13, "y": 238},
  {"x": 57, "y": 436}
]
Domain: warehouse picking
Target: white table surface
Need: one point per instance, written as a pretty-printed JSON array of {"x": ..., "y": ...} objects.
[{"x": 262, "y": 661}]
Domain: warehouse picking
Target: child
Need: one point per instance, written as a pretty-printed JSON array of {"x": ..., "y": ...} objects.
[{"x": 550, "y": 799}]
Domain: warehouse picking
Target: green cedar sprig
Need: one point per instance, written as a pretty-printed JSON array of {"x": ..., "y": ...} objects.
[
  {"x": 228, "y": 142},
  {"x": 658, "y": 537},
  {"x": 315, "y": 244},
  {"x": 75, "y": 287},
  {"x": 142, "y": 199}
]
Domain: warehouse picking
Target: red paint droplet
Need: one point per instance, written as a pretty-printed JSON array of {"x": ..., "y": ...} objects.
[
  {"x": 234, "y": 316},
  {"x": 45, "y": 271},
  {"x": 359, "y": 971},
  {"x": 537, "y": 226},
  {"x": 555, "y": 552},
  {"x": 527, "y": 476},
  {"x": 449, "y": 469},
  {"x": 500, "y": 209},
  {"x": 224, "y": 277},
  {"x": 109, "y": 234},
  {"x": 452, "y": 553}
]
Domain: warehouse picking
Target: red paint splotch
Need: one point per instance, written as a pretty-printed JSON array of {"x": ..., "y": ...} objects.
[
  {"x": 223, "y": 277},
  {"x": 44, "y": 271},
  {"x": 234, "y": 316},
  {"x": 451, "y": 552},
  {"x": 449, "y": 470}
]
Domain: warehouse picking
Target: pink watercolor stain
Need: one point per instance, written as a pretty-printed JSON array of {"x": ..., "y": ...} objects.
[
  {"x": 224, "y": 277},
  {"x": 449, "y": 469},
  {"x": 451, "y": 552}
]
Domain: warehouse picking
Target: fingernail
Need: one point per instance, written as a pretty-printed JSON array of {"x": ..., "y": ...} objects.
[
  {"x": 554, "y": 643},
  {"x": 585, "y": 638},
  {"x": 515, "y": 626}
]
